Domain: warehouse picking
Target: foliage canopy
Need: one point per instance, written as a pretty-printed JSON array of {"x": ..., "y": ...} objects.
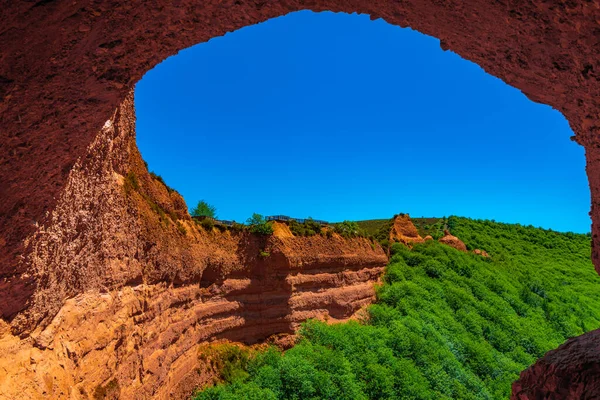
[
  {"x": 259, "y": 225},
  {"x": 447, "y": 324},
  {"x": 203, "y": 209}
]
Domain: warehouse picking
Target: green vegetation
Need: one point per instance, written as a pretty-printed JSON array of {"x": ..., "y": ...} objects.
[
  {"x": 447, "y": 324},
  {"x": 348, "y": 229},
  {"x": 203, "y": 209},
  {"x": 208, "y": 224},
  {"x": 181, "y": 228},
  {"x": 131, "y": 184},
  {"x": 372, "y": 226},
  {"x": 308, "y": 228},
  {"x": 263, "y": 254},
  {"x": 379, "y": 229},
  {"x": 110, "y": 391},
  {"x": 237, "y": 227},
  {"x": 258, "y": 225},
  {"x": 228, "y": 361},
  {"x": 433, "y": 227}
]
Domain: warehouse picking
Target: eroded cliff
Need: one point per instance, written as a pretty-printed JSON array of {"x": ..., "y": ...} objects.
[
  {"x": 404, "y": 231},
  {"x": 126, "y": 285}
]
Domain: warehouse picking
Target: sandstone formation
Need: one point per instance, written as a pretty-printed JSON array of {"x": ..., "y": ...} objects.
[
  {"x": 128, "y": 285},
  {"x": 452, "y": 241},
  {"x": 66, "y": 229},
  {"x": 404, "y": 231}
]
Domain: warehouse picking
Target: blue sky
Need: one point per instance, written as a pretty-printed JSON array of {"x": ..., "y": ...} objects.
[{"x": 338, "y": 117}]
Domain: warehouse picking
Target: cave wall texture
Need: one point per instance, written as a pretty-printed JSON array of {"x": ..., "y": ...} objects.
[
  {"x": 66, "y": 67},
  {"x": 128, "y": 286}
]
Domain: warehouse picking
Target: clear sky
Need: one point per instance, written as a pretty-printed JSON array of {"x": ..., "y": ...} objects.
[{"x": 338, "y": 117}]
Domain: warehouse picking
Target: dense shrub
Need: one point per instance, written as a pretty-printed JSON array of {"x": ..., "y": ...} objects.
[
  {"x": 308, "y": 228},
  {"x": 258, "y": 225},
  {"x": 433, "y": 227},
  {"x": 347, "y": 229},
  {"x": 131, "y": 182},
  {"x": 203, "y": 209},
  {"x": 447, "y": 324},
  {"x": 208, "y": 224},
  {"x": 237, "y": 227}
]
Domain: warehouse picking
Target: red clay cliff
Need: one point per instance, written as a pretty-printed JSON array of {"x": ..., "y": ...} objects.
[
  {"x": 404, "y": 231},
  {"x": 129, "y": 285}
]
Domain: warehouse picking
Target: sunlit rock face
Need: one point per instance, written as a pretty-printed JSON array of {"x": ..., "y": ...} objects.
[
  {"x": 404, "y": 231},
  {"x": 453, "y": 241},
  {"x": 67, "y": 227},
  {"x": 128, "y": 285}
]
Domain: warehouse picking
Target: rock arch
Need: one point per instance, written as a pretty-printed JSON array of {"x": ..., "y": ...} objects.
[{"x": 65, "y": 67}]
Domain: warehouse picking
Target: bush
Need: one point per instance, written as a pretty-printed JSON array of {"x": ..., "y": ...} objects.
[
  {"x": 207, "y": 224},
  {"x": 433, "y": 268},
  {"x": 258, "y": 225},
  {"x": 236, "y": 227},
  {"x": 228, "y": 360},
  {"x": 203, "y": 209},
  {"x": 111, "y": 390},
  {"x": 263, "y": 254},
  {"x": 347, "y": 229},
  {"x": 308, "y": 228},
  {"x": 131, "y": 182},
  {"x": 181, "y": 228}
]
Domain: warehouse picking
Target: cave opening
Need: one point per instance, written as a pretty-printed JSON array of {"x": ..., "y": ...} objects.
[
  {"x": 68, "y": 66},
  {"x": 336, "y": 116}
]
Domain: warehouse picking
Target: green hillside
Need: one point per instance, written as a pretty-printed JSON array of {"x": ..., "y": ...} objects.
[
  {"x": 447, "y": 324},
  {"x": 370, "y": 227},
  {"x": 426, "y": 226},
  {"x": 430, "y": 226}
]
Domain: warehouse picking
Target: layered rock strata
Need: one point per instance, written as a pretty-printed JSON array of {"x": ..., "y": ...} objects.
[{"x": 128, "y": 286}]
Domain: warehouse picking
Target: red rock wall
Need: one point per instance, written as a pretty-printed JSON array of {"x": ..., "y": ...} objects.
[
  {"x": 404, "y": 231},
  {"x": 66, "y": 66},
  {"x": 128, "y": 286},
  {"x": 571, "y": 372}
]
